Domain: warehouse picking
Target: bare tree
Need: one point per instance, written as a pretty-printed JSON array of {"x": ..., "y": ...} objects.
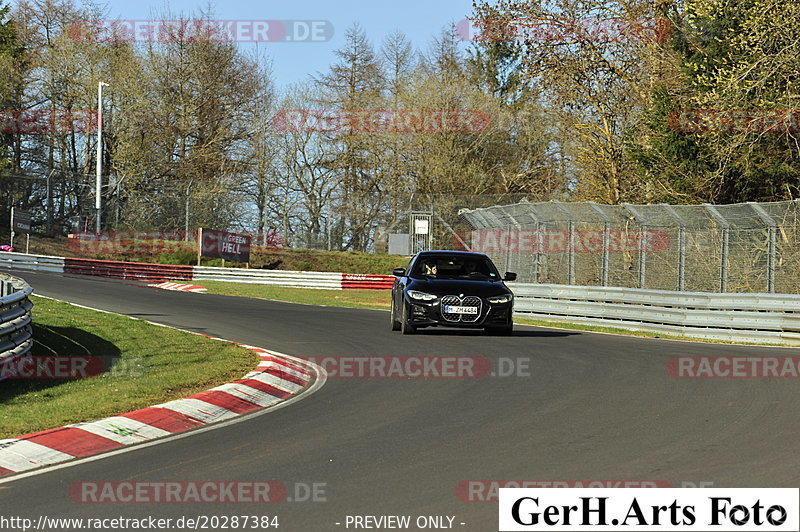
[{"x": 354, "y": 85}]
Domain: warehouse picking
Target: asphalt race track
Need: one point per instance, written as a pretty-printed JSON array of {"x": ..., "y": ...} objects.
[{"x": 591, "y": 406}]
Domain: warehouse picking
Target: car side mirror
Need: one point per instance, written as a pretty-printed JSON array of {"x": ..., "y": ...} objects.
[
  {"x": 399, "y": 272},
  {"x": 510, "y": 276}
]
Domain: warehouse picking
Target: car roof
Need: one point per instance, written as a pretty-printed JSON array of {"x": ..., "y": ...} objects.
[{"x": 448, "y": 252}]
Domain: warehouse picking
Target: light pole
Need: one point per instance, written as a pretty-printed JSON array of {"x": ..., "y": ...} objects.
[
  {"x": 186, "y": 210},
  {"x": 99, "y": 178}
]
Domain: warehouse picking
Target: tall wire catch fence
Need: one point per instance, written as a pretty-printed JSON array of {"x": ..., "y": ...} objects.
[{"x": 748, "y": 247}]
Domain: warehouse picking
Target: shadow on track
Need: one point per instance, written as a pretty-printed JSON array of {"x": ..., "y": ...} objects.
[{"x": 435, "y": 331}]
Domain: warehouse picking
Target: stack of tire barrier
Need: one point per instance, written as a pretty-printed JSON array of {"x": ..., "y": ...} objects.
[{"x": 15, "y": 319}]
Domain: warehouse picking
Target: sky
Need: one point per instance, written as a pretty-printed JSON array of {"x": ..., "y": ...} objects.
[{"x": 292, "y": 62}]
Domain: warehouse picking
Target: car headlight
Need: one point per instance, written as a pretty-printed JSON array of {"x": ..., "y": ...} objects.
[
  {"x": 422, "y": 296},
  {"x": 505, "y": 298}
]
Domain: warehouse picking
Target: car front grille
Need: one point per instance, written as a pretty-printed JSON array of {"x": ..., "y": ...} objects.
[{"x": 469, "y": 301}]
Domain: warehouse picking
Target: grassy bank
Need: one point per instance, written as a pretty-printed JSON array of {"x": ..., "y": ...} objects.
[{"x": 144, "y": 365}]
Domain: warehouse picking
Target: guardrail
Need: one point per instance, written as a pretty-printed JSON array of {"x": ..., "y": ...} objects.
[
  {"x": 323, "y": 280},
  {"x": 34, "y": 263},
  {"x": 296, "y": 279},
  {"x": 16, "y": 334},
  {"x": 137, "y": 271},
  {"x": 166, "y": 272},
  {"x": 767, "y": 318}
]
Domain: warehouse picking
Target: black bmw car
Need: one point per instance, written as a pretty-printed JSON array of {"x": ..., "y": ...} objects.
[{"x": 451, "y": 289}]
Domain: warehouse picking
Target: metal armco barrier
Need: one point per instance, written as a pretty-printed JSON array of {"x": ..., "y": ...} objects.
[
  {"x": 136, "y": 271},
  {"x": 356, "y": 281},
  {"x": 296, "y": 279},
  {"x": 34, "y": 263},
  {"x": 15, "y": 318},
  {"x": 761, "y": 318},
  {"x": 166, "y": 272},
  {"x": 323, "y": 280}
]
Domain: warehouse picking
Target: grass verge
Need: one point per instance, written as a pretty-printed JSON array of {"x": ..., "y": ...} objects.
[
  {"x": 376, "y": 299},
  {"x": 144, "y": 365}
]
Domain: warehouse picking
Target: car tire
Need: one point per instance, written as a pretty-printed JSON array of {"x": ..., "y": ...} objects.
[
  {"x": 395, "y": 323},
  {"x": 405, "y": 322}
]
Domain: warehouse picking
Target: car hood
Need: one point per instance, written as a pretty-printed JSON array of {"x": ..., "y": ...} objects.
[{"x": 441, "y": 287}]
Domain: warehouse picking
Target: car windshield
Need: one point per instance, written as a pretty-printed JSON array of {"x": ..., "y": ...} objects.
[{"x": 472, "y": 268}]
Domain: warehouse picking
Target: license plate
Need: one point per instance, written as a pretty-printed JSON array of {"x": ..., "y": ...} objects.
[{"x": 452, "y": 309}]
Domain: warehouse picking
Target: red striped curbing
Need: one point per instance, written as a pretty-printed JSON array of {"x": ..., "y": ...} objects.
[
  {"x": 276, "y": 379},
  {"x": 178, "y": 287}
]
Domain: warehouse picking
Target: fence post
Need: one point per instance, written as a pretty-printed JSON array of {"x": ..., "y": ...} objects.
[
  {"x": 681, "y": 258},
  {"x": 508, "y": 246},
  {"x": 537, "y": 254},
  {"x": 642, "y": 243},
  {"x": 772, "y": 235},
  {"x": 606, "y": 243},
  {"x": 570, "y": 240},
  {"x": 771, "y": 256},
  {"x": 571, "y": 273},
  {"x": 723, "y": 266},
  {"x": 642, "y": 256},
  {"x": 681, "y": 245},
  {"x": 723, "y": 263}
]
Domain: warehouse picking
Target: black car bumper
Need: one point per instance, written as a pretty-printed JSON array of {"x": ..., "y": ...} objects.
[{"x": 430, "y": 314}]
